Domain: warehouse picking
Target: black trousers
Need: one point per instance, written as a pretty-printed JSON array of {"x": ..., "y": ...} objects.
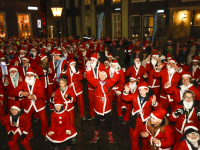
[
  {"x": 67, "y": 143},
  {"x": 108, "y": 121}
]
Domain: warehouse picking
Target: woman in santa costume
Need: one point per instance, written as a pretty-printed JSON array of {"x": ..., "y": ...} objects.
[
  {"x": 61, "y": 129},
  {"x": 142, "y": 104},
  {"x": 102, "y": 102},
  {"x": 158, "y": 130},
  {"x": 190, "y": 140},
  {"x": 17, "y": 126},
  {"x": 66, "y": 94}
]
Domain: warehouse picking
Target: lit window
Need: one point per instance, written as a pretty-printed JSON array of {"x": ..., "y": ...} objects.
[
  {"x": 197, "y": 18},
  {"x": 148, "y": 26},
  {"x": 24, "y": 25},
  {"x": 135, "y": 1},
  {"x": 116, "y": 1},
  {"x": 116, "y": 25},
  {"x": 100, "y": 1},
  {"x": 87, "y": 2},
  {"x": 2, "y": 26},
  {"x": 135, "y": 27}
]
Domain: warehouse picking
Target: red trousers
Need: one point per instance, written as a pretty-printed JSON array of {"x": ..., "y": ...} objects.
[
  {"x": 49, "y": 93},
  {"x": 91, "y": 102},
  {"x": 71, "y": 117},
  {"x": 13, "y": 143},
  {"x": 119, "y": 105},
  {"x": 43, "y": 120},
  {"x": 135, "y": 134},
  {"x": 128, "y": 106},
  {"x": 81, "y": 104}
]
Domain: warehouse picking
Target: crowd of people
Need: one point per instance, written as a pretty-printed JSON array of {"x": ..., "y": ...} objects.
[{"x": 160, "y": 99}]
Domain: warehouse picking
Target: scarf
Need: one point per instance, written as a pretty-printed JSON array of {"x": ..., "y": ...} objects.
[
  {"x": 15, "y": 117},
  {"x": 15, "y": 80},
  {"x": 58, "y": 66},
  {"x": 170, "y": 51}
]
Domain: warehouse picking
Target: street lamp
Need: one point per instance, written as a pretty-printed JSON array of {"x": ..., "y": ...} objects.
[{"x": 57, "y": 12}]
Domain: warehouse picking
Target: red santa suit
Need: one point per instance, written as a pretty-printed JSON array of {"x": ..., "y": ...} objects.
[
  {"x": 182, "y": 119},
  {"x": 35, "y": 105},
  {"x": 2, "y": 112},
  {"x": 68, "y": 102},
  {"x": 60, "y": 124},
  {"x": 52, "y": 64},
  {"x": 22, "y": 126}
]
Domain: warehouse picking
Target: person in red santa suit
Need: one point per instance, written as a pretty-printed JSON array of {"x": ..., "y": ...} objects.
[
  {"x": 158, "y": 130},
  {"x": 102, "y": 102},
  {"x": 33, "y": 56},
  {"x": 110, "y": 58},
  {"x": 96, "y": 67},
  {"x": 11, "y": 82},
  {"x": 153, "y": 83},
  {"x": 127, "y": 106},
  {"x": 46, "y": 75},
  {"x": 32, "y": 90},
  {"x": 16, "y": 61},
  {"x": 17, "y": 126},
  {"x": 185, "y": 112},
  {"x": 142, "y": 103},
  {"x": 74, "y": 81},
  {"x": 176, "y": 92},
  {"x": 106, "y": 63},
  {"x": 60, "y": 131},
  {"x": 66, "y": 94},
  {"x": 138, "y": 70},
  {"x": 117, "y": 88},
  {"x": 190, "y": 140},
  {"x": 2, "y": 112},
  {"x": 172, "y": 74}
]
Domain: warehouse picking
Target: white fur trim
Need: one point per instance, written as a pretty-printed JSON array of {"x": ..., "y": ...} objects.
[
  {"x": 186, "y": 75},
  {"x": 25, "y": 59},
  {"x": 152, "y": 115},
  {"x": 186, "y": 128},
  {"x": 15, "y": 108},
  {"x": 43, "y": 57}
]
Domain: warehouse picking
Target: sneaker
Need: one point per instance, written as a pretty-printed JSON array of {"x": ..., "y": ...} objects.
[
  {"x": 68, "y": 148},
  {"x": 121, "y": 118},
  {"x": 123, "y": 121},
  {"x": 84, "y": 118},
  {"x": 123, "y": 110},
  {"x": 102, "y": 118},
  {"x": 74, "y": 141},
  {"x": 90, "y": 118},
  {"x": 96, "y": 136},
  {"x": 46, "y": 139},
  {"x": 110, "y": 137}
]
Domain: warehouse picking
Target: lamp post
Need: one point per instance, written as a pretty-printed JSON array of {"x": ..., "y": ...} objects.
[{"x": 57, "y": 12}]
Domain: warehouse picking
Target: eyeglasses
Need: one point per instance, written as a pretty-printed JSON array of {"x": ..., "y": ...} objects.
[
  {"x": 188, "y": 97},
  {"x": 193, "y": 134}
]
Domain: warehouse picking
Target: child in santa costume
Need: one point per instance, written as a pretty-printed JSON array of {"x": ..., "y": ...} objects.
[
  {"x": 17, "y": 126},
  {"x": 160, "y": 133},
  {"x": 142, "y": 103},
  {"x": 61, "y": 130},
  {"x": 102, "y": 102}
]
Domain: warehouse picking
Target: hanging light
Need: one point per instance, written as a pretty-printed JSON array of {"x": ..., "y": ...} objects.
[{"x": 57, "y": 11}]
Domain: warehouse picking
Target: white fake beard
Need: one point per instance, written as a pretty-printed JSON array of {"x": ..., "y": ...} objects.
[
  {"x": 194, "y": 141},
  {"x": 93, "y": 65},
  {"x": 132, "y": 86},
  {"x": 65, "y": 54},
  {"x": 171, "y": 70},
  {"x": 73, "y": 69},
  {"x": 34, "y": 54},
  {"x": 153, "y": 62},
  {"x": 3, "y": 63},
  {"x": 49, "y": 48},
  {"x": 30, "y": 80},
  {"x": 138, "y": 64},
  {"x": 13, "y": 75},
  {"x": 194, "y": 68},
  {"x": 21, "y": 56},
  {"x": 187, "y": 105},
  {"x": 184, "y": 88},
  {"x": 112, "y": 70}
]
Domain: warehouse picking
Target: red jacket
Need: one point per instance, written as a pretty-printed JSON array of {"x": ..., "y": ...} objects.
[
  {"x": 22, "y": 71},
  {"x": 183, "y": 145},
  {"x": 36, "y": 59},
  {"x": 102, "y": 103},
  {"x": 37, "y": 90}
]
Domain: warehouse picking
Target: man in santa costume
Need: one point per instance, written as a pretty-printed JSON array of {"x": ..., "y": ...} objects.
[
  {"x": 142, "y": 103},
  {"x": 11, "y": 82},
  {"x": 61, "y": 130},
  {"x": 158, "y": 130},
  {"x": 17, "y": 59},
  {"x": 33, "y": 56},
  {"x": 190, "y": 140},
  {"x": 32, "y": 90},
  {"x": 102, "y": 102},
  {"x": 138, "y": 70},
  {"x": 17, "y": 126},
  {"x": 96, "y": 67},
  {"x": 187, "y": 111},
  {"x": 172, "y": 74},
  {"x": 3, "y": 68}
]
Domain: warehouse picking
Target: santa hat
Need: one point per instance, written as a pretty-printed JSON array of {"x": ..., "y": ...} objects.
[
  {"x": 172, "y": 60},
  {"x": 82, "y": 46},
  {"x": 110, "y": 55},
  {"x": 33, "y": 49},
  {"x": 25, "y": 58},
  {"x": 133, "y": 77},
  {"x": 2, "y": 56},
  {"x": 155, "y": 54},
  {"x": 159, "y": 113},
  {"x": 57, "y": 52},
  {"x": 94, "y": 56},
  {"x": 13, "y": 68},
  {"x": 169, "y": 56},
  {"x": 195, "y": 59},
  {"x": 103, "y": 72},
  {"x": 58, "y": 102},
  {"x": 114, "y": 61},
  {"x": 136, "y": 59},
  {"x": 71, "y": 61},
  {"x": 15, "y": 105},
  {"x": 136, "y": 50},
  {"x": 30, "y": 71},
  {"x": 23, "y": 49},
  {"x": 190, "y": 127},
  {"x": 187, "y": 74},
  {"x": 106, "y": 61},
  {"x": 42, "y": 56},
  {"x": 143, "y": 85}
]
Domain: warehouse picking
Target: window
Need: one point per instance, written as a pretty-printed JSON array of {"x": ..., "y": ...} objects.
[
  {"x": 148, "y": 26},
  {"x": 24, "y": 25},
  {"x": 67, "y": 4},
  {"x": 77, "y": 3},
  {"x": 197, "y": 18},
  {"x": 135, "y": 1},
  {"x": 135, "y": 26},
  {"x": 78, "y": 25},
  {"x": 87, "y": 2},
  {"x": 161, "y": 20},
  {"x": 100, "y": 1},
  {"x": 116, "y": 25},
  {"x": 116, "y": 1},
  {"x": 87, "y": 21},
  {"x": 2, "y": 25},
  {"x": 188, "y": 0},
  {"x": 103, "y": 29},
  {"x": 69, "y": 27}
]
